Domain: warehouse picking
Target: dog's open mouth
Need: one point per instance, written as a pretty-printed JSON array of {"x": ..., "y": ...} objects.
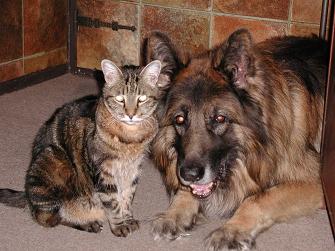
[{"x": 204, "y": 190}]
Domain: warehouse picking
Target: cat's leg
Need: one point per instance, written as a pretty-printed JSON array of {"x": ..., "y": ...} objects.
[
  {"x": 55, "y": 193},
  {"x": 84, "y": 213},
  {"x": 119, "y": 213},
  {"x": 76, "y": 213}
]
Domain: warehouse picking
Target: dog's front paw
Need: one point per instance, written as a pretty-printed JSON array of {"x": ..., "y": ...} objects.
[
  {"x": 170, "y": 228},
  {"x": 124, "y": 228},
  {"x": 226, "y": 238}
]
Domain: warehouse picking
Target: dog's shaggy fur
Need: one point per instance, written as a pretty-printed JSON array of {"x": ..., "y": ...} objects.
[{"x": 240, "y": 135}]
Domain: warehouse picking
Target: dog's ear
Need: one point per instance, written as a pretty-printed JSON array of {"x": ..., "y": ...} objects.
[
  {"x": 235, "y": 58},
  {"x": 157, "y": 46}
]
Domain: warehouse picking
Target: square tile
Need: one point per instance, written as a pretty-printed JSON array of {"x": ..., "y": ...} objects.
[
  {"x": 45, "y": 25},
  {"x": 11, "y": 70},
  {"x": 307, "y": 11},
  {"x": 277, "y": 9},
  {"x": 188, "y": 30},
  {"x": 95, "y": 44},
  {"x": 260, "y": 30},
  {"x": 42, "y": 62},
  {"x": 10, "y": 30},
  {"x": 299, "y": 29}
]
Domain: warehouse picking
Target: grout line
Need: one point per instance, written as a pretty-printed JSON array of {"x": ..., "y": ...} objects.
[
  {"x": 305, "y": 23},
  {"x": 129, "y": 2},
  {"x": 177, "y": 8},
  {"x": 11, "y": 61},
  {"x": 45, "y": 52},
  {"x": 249, "y": 17},
  {"x": 211, "y": 27},
  {"x": 139, "y": 29},
  {"x": 204, "y": 12},
  {"x": 290, "y": 14}
]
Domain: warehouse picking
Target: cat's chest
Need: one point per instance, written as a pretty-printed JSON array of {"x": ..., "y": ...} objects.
[{"x": 121, "y": 173}]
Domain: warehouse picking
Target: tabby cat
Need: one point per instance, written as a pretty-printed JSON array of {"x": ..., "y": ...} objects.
[{"x": 86, "y": 158}]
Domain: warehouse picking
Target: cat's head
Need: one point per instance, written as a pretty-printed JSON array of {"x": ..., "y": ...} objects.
[{"x": 131, "y": 93}]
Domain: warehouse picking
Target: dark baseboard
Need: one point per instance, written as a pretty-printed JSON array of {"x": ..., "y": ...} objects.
[{"x": 32, "y": 79}]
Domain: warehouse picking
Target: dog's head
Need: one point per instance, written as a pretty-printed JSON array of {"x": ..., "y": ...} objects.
[{"x": 209, "y": 120}]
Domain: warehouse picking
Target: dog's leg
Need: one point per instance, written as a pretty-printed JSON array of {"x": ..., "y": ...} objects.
[
  {"x": 180, "y": 217},
  {"x": 257, "y": 213}
]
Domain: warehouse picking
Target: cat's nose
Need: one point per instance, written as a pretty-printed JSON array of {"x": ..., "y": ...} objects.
[{"x": 130, "y": 113}]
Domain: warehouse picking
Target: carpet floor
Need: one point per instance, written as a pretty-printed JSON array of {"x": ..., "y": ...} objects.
[{"x": 23, "y": 112}]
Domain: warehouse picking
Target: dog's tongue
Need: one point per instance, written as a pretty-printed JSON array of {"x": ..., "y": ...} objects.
[{"x": 202, "y": 190}]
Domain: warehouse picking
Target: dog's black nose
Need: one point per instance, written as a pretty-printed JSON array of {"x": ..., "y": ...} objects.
[{"x": 192, "y": 172}]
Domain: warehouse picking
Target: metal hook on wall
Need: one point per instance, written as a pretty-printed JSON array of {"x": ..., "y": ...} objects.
[{"x": 96, "y": 23}]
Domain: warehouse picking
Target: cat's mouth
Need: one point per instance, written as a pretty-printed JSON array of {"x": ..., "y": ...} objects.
[{"x": 133, "y": 121}]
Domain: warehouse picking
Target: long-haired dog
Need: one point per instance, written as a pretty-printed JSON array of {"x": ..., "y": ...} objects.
[{"x": 240, "y": 135}]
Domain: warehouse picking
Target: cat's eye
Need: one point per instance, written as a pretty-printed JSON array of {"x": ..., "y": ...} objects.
[
  {"x": 142, "y": 98},
  {"x": 180, "y": 120},
  {"x": 119, "y": 98}
]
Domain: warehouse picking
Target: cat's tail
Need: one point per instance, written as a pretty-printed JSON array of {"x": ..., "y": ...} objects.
[{"x": 13, "y": 198}]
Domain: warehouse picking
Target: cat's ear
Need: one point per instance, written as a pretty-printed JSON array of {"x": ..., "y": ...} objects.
[
  {"x": 157, "y": 46},
  {"x": 111, "y": 72},
  {"x": 235, "y": 58},
  {"x": 150, "y": 73}
]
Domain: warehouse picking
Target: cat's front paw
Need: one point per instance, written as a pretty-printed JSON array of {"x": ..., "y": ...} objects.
[
  {"x": 168, "y": 227},
  {"x": 227, "y": 238},
  {"x": 124, "y": 228}
]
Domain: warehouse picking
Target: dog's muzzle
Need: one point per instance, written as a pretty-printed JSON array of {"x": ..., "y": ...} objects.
[{"x": 198, "y": 177}]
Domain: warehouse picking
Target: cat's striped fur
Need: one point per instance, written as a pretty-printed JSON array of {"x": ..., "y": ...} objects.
[{"x": 86, "y": 157}]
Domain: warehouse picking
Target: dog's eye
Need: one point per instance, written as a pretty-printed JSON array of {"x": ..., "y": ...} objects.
[
  {"x": 220, "y": 119},
  {"x": 180, "y": 120}
]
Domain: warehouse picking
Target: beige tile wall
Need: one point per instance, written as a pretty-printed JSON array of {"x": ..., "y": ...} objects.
[
  {"x": 193, "y": 25},
  {"x": 33, "y": 36}
]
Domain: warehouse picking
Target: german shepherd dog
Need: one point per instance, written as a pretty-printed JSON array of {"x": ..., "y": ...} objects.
[{"x": 240, "y": 135}]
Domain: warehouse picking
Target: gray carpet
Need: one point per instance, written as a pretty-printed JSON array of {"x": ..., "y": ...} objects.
[{"x": 22, "y": 113}]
